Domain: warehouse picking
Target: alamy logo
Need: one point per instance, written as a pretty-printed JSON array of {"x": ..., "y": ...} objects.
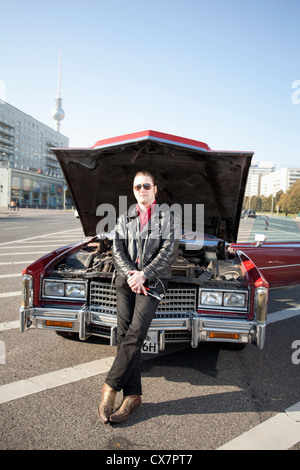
[
  {"x": 185, "y": 221},
  {"x": 296, "y": 354},
  {"x": 296, "y": 93}
]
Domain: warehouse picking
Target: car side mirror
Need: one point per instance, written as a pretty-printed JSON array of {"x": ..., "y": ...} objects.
[{"x": 260, "y": 238}]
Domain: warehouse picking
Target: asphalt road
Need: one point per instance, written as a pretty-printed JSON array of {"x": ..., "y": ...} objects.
[
  {"x": 276, "y": 228},
  {"x": 193, "y": 399},
  {"x": 28, "y": 223}
]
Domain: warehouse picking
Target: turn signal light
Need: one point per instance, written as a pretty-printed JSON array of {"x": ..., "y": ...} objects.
[
  {"x": 224, "y": 335},
  {"x": 61, "y": 324}
]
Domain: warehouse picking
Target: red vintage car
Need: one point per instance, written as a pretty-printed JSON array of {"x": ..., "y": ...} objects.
[
  {"x": 279, "y": 262},
  {"x": 218, "y": 290}
]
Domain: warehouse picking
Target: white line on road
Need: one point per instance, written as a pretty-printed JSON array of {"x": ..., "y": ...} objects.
[
  {"x": 38, "y": 236},
  {"x": 9, "y": 325},
  {"x": 29, "y": 246},
  {"x": 284, "y": 314},
  {"x": 281, "y": 432},
  {"x": 23, "y": 253},
  {"x": 3, "y": 276},
  {"x": 10, "y": 294},
  {"x": 16, "y": 227},
  {"x": 12, "y": 263},
  {"x": 23, "y": 388}
]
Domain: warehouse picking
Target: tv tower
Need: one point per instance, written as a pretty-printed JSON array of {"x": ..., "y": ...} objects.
[{"x": 58, "y": 113}]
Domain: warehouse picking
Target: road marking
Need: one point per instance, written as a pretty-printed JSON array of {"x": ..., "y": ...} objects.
[
  {"x": 281, "y": 432},
  {"x": 9, "y": 325},
  {"x": 16, "y": 227},
  {"x": 38, "y": 236},
  {"x": 10, "y": 294},
  {"x": 283, "y": 314},
  {"x": 16, "y": 262},
  {"x": 29, "y": 246},
  {"x": 3, "y": 276},
  {"x": 36, "y": 246},
  {"x": 23, "y": 253},
  {"x": 23, "y": 388}
]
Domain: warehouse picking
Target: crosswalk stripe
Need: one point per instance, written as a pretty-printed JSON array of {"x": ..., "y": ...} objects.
[
  {"x": 281, "y": 432},
  {"x": 23, "y": 253},
  {"x": 23, "y": 388},
  {"x": 9, "y": 294},
  {"x": 9, "y": 325},
  {"x": 4, "y": 276},
  {"x": 36, "y": 237},
  {"x": 13, "y": 263}
]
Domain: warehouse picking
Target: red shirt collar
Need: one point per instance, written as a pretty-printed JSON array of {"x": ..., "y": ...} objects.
[
  {"x": 148, "y": 211},
  {"x": 144, "y": 216}
]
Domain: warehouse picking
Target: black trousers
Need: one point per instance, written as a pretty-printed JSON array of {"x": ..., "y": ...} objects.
[{"x": 135, "y": 313}]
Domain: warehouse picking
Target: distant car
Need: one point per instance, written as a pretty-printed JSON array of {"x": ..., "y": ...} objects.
[
  {"x": 243, "y": 214},
  {"x": 251, "y": 213}
]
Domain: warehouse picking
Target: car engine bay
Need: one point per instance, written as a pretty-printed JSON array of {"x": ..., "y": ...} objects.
[{"x": 197, "y": 264}]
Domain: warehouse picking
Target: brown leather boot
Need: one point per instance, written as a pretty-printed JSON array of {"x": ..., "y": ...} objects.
[
  {"x": 106, "y": 406},
  {"x": 129, "y": 404}
]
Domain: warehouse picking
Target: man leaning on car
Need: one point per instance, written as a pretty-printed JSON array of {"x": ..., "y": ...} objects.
[{"x": 144, "y": 248}]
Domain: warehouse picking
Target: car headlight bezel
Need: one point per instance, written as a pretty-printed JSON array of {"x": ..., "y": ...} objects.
[
  {"x": 226, "y": 299},
  {"x": 234, "y": 299},
  {"x": 77, "y": 290},
  {"x": 62, "y": 289},
  {"x": 211, "y": 298}
]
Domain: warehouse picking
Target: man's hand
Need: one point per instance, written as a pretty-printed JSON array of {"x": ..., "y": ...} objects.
[{"x": 136, "y": 281}]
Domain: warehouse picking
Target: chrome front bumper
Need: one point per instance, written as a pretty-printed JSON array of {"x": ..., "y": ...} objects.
[{"x": 197, "y": 328}]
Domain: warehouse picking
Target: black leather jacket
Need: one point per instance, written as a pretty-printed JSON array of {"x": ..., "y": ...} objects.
[{"x": 153, "y": 250}]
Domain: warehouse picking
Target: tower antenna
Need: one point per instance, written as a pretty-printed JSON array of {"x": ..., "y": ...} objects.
[{"x": 58, "y": 113}]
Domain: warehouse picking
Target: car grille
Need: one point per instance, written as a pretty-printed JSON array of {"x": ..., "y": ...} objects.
[{"x": 176, "y": 303}]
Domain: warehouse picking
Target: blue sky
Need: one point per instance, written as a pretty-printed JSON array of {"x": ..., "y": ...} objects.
[{"x": 219, "y": 71}]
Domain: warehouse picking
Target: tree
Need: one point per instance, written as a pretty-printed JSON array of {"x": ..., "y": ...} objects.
[
  {"x": 283, "y": 203},
  {"x": 266, "y": 203},
  {"x": 293, "y": 195},
  {"x": 278, "y": 196},
  {"x": 290, "y": 201},
  {"x": 258, "y": 204}
]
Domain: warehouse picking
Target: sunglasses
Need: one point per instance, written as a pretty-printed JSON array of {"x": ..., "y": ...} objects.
[{"x": 146, "y": 186}]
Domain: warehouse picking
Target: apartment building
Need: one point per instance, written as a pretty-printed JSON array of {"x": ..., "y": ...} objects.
[
  {"x": 281, "y": 179},
  {"x": 256, "y": 172},
  {"x": 29, "y": 172}
]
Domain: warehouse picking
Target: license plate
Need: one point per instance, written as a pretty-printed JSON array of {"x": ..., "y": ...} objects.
[{"x": 150, "y": 345}]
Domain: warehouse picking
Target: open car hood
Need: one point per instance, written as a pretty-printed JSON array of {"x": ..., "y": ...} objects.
[{"x": 186, "y": 172}]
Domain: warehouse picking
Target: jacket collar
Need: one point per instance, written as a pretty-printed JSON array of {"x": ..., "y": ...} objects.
[{"x": 133, "y": 213}]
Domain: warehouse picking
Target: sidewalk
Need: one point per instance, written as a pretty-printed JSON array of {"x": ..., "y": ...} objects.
[{"x": 25, "y": 211}]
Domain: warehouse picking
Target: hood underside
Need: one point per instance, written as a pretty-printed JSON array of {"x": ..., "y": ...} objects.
[{"x": 185, "y": 171}]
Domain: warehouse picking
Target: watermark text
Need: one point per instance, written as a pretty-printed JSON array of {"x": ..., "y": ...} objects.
[
  {"x": 296, "y": 93},
  {"x": 167, "y": 222},
  {"x": 296, "y": 353}
]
